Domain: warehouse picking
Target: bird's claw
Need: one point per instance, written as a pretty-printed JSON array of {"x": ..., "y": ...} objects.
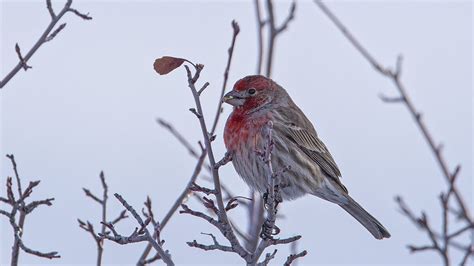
[
  {"x": 268, "y": 231},
  {"x": 277, "y": 197}
]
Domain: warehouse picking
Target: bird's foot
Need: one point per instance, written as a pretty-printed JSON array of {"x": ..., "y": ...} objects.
[
  {"x": 267, "y": 201},
  {"x": 269, "y": 230}
]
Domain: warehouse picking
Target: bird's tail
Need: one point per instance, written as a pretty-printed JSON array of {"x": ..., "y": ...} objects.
[{"x": 365, "y": 218}]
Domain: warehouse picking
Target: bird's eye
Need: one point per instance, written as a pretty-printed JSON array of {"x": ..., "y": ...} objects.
[{"x": 252, "y": 91}]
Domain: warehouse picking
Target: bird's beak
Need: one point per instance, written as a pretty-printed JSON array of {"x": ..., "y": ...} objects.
[{"x": 233, "y": 98}]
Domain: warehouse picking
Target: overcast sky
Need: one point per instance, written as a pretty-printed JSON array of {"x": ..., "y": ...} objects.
[{"x": 91, "y": 99}]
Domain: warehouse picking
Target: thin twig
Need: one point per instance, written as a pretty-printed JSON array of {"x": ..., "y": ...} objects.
[
  {"x": 215, "y": 172},
  {"x": 45, "y": 37},
  {"x": 22, "y": 208},
  {"x": 268, "y": 258},
  {"x": 185, "y": 143},
  {"x": 50, "y": 9},
  {"x": 274, "y": 31},
  {"x": 92, "y": 196},
  {"x": 395, "y": 77},
  {"x": 88, "y": 227},
  {"x": 15, "y": 170},
  {"x": 230, "y": 51},
  {"x": 293, "y": 257},
  {"x": 100, "y": 244},
  {"x": 260, "y": 25},
  {"x": 215, "y": 246},
  {"x": 139, "y": 235},
  {"x": 415, "y": 220},
  {"x": 177, "y": 203},
  {"x": 450, "y": 176}
]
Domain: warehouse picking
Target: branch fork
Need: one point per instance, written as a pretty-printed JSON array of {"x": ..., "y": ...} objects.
[
  {"x": 48, "y": 35},
  {"x": 20, "y": 208}
]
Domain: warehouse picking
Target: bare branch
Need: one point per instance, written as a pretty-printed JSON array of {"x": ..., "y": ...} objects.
[
  {"x": 45, "y": 37},
  {"x": 394, "y": 76},
  {"x": 143, "y": 233},
  {"x": 48, "y": 255},
  {"x": 31, "y": 206},
  {"x": 28, "y": 190},
  {"x": 24, "y": 65},
  {"x": 55, "y": 32},
  {"x": 149, "y": 211},
  {"x": 88, "y": 227},
  {"x": 274, "y": 31},
  {"x": 260, "y": 25},
  {"x": 460, "y": 231},
  {"x": 351, "y": 38},
  {"x": 215, "y": 246},
  {"x": 135, "y": 237},
  {"x": 2, "y": 212},
  {"x": 289, "y": 18},
  {"x": 281, "y": 241},
  {"x": 123, "y": 215},
  {"x": 229, "y": 234},
  {"x": 79, "y": 14},
  {"x": 203, "y": 87},
  {"x": 104, "y": 221},
  {"x": 4, "y": 200},
  {"x": 420, "y": 248},
  {"x": 193, "y": 110},
  {"x": 197, "y": 188},
  {"x": 293, "y": 257},
  {"x": 387, "y": 99},
  {"x": 22, "y": 208},
  {"x": 227, "y": 158},
  {"x": 201, "y": 215},
  {"x": 450, "y": 176},
  {"x": 195, "y": 244},
  {"x": 469, "y": 252},
  {"x": 50, "y": 9},
  {"x": 268, "y": 258},
  {"x": 10, "y": 195},
  {"x": 416, "y": 220},
  {"x": 92, "y": 196},
  {"x": 185, "y": 192},
  {"x": 150, "y": 260},
  {"x": 235, "y": 32},
  {"x": 180, "y": 200},
  {"x": 15, "y": 170}
]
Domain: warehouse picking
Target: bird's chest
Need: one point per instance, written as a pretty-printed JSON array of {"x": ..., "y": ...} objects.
[
  {"x": 244, "y": 133},
  {"x": 243, "y": 137}
]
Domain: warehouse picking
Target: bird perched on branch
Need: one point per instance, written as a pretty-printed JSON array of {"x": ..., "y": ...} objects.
[{"x": 310, "y": 167}]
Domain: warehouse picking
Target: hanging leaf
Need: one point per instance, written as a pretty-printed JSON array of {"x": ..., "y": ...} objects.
[{"x": 166, "y": 64}]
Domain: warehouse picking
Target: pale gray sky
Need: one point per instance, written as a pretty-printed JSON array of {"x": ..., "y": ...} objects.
[{"x": 91, "y": 100}]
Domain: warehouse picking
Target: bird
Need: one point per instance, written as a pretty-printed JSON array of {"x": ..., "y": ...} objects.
[{"x": 310, "y": 167}]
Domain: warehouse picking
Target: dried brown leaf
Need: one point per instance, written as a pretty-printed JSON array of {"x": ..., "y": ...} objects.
[{"x": 166, "y": 64}]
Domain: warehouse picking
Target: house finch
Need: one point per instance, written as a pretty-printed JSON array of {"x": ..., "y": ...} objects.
[{"x": 312, "y": 170}]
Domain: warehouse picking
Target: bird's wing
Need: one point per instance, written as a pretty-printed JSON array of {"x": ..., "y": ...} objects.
[
  {"x": 312, "y": 146},
  {"x": 307, "y": 140}
]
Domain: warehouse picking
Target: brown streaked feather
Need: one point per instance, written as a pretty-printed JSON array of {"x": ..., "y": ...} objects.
[
  {"x": 300, "y": 131},
  {"x": 315, "y": 149}
]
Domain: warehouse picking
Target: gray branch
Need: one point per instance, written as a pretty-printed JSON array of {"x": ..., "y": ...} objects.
[{"x": 47, "y": 35}]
